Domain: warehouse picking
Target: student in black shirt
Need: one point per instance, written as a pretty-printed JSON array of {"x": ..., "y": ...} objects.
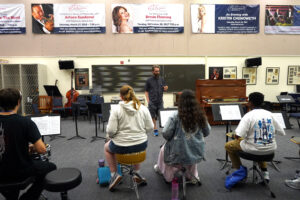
[{"x": 16, "y": 132}]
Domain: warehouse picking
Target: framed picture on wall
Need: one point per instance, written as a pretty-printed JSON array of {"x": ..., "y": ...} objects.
[
  {"x": 82, "y": 79},
  {"x": 293, "y": 77},
  {"x": 249, "y": 73},
  {"x": 229, "y": 72},
  {"x": 272, "y": 75},
  {"x": 215, "y": 73}
]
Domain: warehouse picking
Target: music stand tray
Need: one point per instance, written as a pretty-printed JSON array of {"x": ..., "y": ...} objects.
[{"x": 52, "y": 90}]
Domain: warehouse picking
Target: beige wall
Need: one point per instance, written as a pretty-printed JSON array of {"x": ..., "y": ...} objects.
[
  {"x": 64, "y": 76},
  {"x": 186, "y": 44}
]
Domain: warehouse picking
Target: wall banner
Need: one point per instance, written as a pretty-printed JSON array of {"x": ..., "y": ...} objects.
[
  {"x": 148, "y": 18},
  {"x": 68, "y": 18},
  {"x": 225, "y": 19},
  {"x": 12, "y": 19},
  {"x": 282, "y": 19}
]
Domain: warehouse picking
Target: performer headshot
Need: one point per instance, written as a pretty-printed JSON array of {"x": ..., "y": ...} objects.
[
  {"x": 154, "y": 88},
  {"x": 42, "y": 18},
  {"x": 120, "y": 18},
  {"x": 201, "y": 18}
]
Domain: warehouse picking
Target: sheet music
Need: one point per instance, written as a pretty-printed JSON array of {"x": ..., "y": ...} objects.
[
  {"x": 164, "y": 116},
  {"x": 279, "y": 118},
  {"x": 230, "y": 112},
  {"x": 47, "y": 125}
]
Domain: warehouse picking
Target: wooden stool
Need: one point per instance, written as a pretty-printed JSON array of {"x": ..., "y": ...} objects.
[{"x": 127, "y": 162}]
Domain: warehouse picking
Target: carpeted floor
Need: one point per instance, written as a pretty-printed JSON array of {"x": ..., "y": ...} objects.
[{"x": 84, "y": 155}]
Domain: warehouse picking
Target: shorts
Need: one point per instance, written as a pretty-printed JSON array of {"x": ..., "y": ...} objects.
[
  {"x": 129, "y": 149},
  {"x": 154, "y": 108}
]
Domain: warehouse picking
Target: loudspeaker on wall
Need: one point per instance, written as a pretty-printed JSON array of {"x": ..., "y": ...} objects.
[
  {"x": 66, "y": 64},
  {"x": 251, "y": 62}
]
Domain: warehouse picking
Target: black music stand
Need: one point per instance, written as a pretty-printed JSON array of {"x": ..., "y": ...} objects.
[
  {"x": 216, "y": 110},
  {"x": 53, "y": 91},
  {"x": 75, "y": 111},
  {"x": 95, "y": 108},
  {"x": 285, "y": 100}
]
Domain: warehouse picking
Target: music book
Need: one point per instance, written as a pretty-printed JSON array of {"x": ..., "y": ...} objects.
[
  {"x": 230, "y": 112},
  {"x": 47, "y": 125},
  {"x": 279, "y": 118},
  {"x": 165, "y": 114}
]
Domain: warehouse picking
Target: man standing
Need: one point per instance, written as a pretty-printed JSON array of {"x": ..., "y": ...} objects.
[
  {"x": 16, "y": 132},
  {"x": 154, "y": 88},
  {"x": 255, "y": 134}
]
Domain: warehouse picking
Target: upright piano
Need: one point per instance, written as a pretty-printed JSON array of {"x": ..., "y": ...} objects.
[{"x": 210, "y": 92}]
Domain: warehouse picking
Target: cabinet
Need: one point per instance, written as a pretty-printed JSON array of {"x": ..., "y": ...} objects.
[{"x": 28, "y": 78}]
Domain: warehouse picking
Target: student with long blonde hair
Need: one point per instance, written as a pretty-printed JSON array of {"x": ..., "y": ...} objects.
[{"x": 127, "y": 129}]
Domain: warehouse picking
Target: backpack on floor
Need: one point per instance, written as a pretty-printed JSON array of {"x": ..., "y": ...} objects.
[
  {"x": 104, "y": 175},
  {"x": 236, "y": 177}
]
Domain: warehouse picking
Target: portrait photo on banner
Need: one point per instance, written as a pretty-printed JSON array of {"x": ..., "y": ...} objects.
[
  {"x": 42, "y": 18},
  {"x": 203, "y": 18},
  {"x": 122, "y": 18},
  {"x": 215, "y": 73}
]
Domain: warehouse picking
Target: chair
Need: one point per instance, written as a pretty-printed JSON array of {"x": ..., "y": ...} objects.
[
  {"x": 127, "y": 162},
  {"x": 16, "y": 185},
  {"x": 62, "y": 180},
  {"x": 105, "y": 108},
  {"x": 35, "y": 108},
  {"x": 297, "y": 116},
  {"x": 83, "y": 109},
  {"x": 44, "y": 104},
  {"x": 255, "y": 168},
  {"x": 57, "y": 106},
  {"x": 295, "y": 140}
]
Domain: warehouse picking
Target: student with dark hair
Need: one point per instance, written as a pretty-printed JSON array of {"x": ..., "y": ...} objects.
[
  {"x": 255, "y": 134},
  {"x": 16, "y": 134},
  {"x": 185, "y": 134},
  {"x": 127, "y": 129}
]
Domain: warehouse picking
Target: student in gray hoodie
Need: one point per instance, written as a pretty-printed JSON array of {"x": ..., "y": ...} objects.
[{"x": 127, "y": 130}]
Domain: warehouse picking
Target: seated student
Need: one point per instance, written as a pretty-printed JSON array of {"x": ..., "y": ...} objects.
[
  {"x": 127, "y": 128},
  {"x": 255, "y": 134},
  {"x": 16, "y": 132},
  {"x": 185, "y": 134}
]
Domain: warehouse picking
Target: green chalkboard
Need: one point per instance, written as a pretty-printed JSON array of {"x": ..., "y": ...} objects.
[
  {"x": 179, "y": 77},
  {"x": 112, "y": 77}
]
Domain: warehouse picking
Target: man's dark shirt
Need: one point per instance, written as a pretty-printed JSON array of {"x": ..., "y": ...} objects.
[
  {"x": 154, "y": 87},
  {"x": 15, "y": 134}
]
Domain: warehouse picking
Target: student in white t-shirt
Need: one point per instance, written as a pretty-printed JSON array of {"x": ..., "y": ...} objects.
[{"x": 255, "y": 134}]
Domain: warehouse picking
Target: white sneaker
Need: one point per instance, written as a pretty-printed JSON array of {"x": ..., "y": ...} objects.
[
  {"x": 266, "y": 175},
  {"x": 156, "y": 169},
  {"x": 293, "y": 183}
]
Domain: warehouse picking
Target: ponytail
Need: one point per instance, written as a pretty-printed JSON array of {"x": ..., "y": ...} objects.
[{"x": 128, "y": 95}]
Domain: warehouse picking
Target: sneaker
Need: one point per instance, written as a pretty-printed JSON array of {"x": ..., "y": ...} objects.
[
  {"x": 139, "y": 179},
  {"x": 114, "y": 181},
  {"x": 155, "y": 132},
  {"x": 156, "y": 169},
  {"x": 266, "y": 175},
  {"x": 194, "y": 181},
  {"x": 293, "y": 183}
]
